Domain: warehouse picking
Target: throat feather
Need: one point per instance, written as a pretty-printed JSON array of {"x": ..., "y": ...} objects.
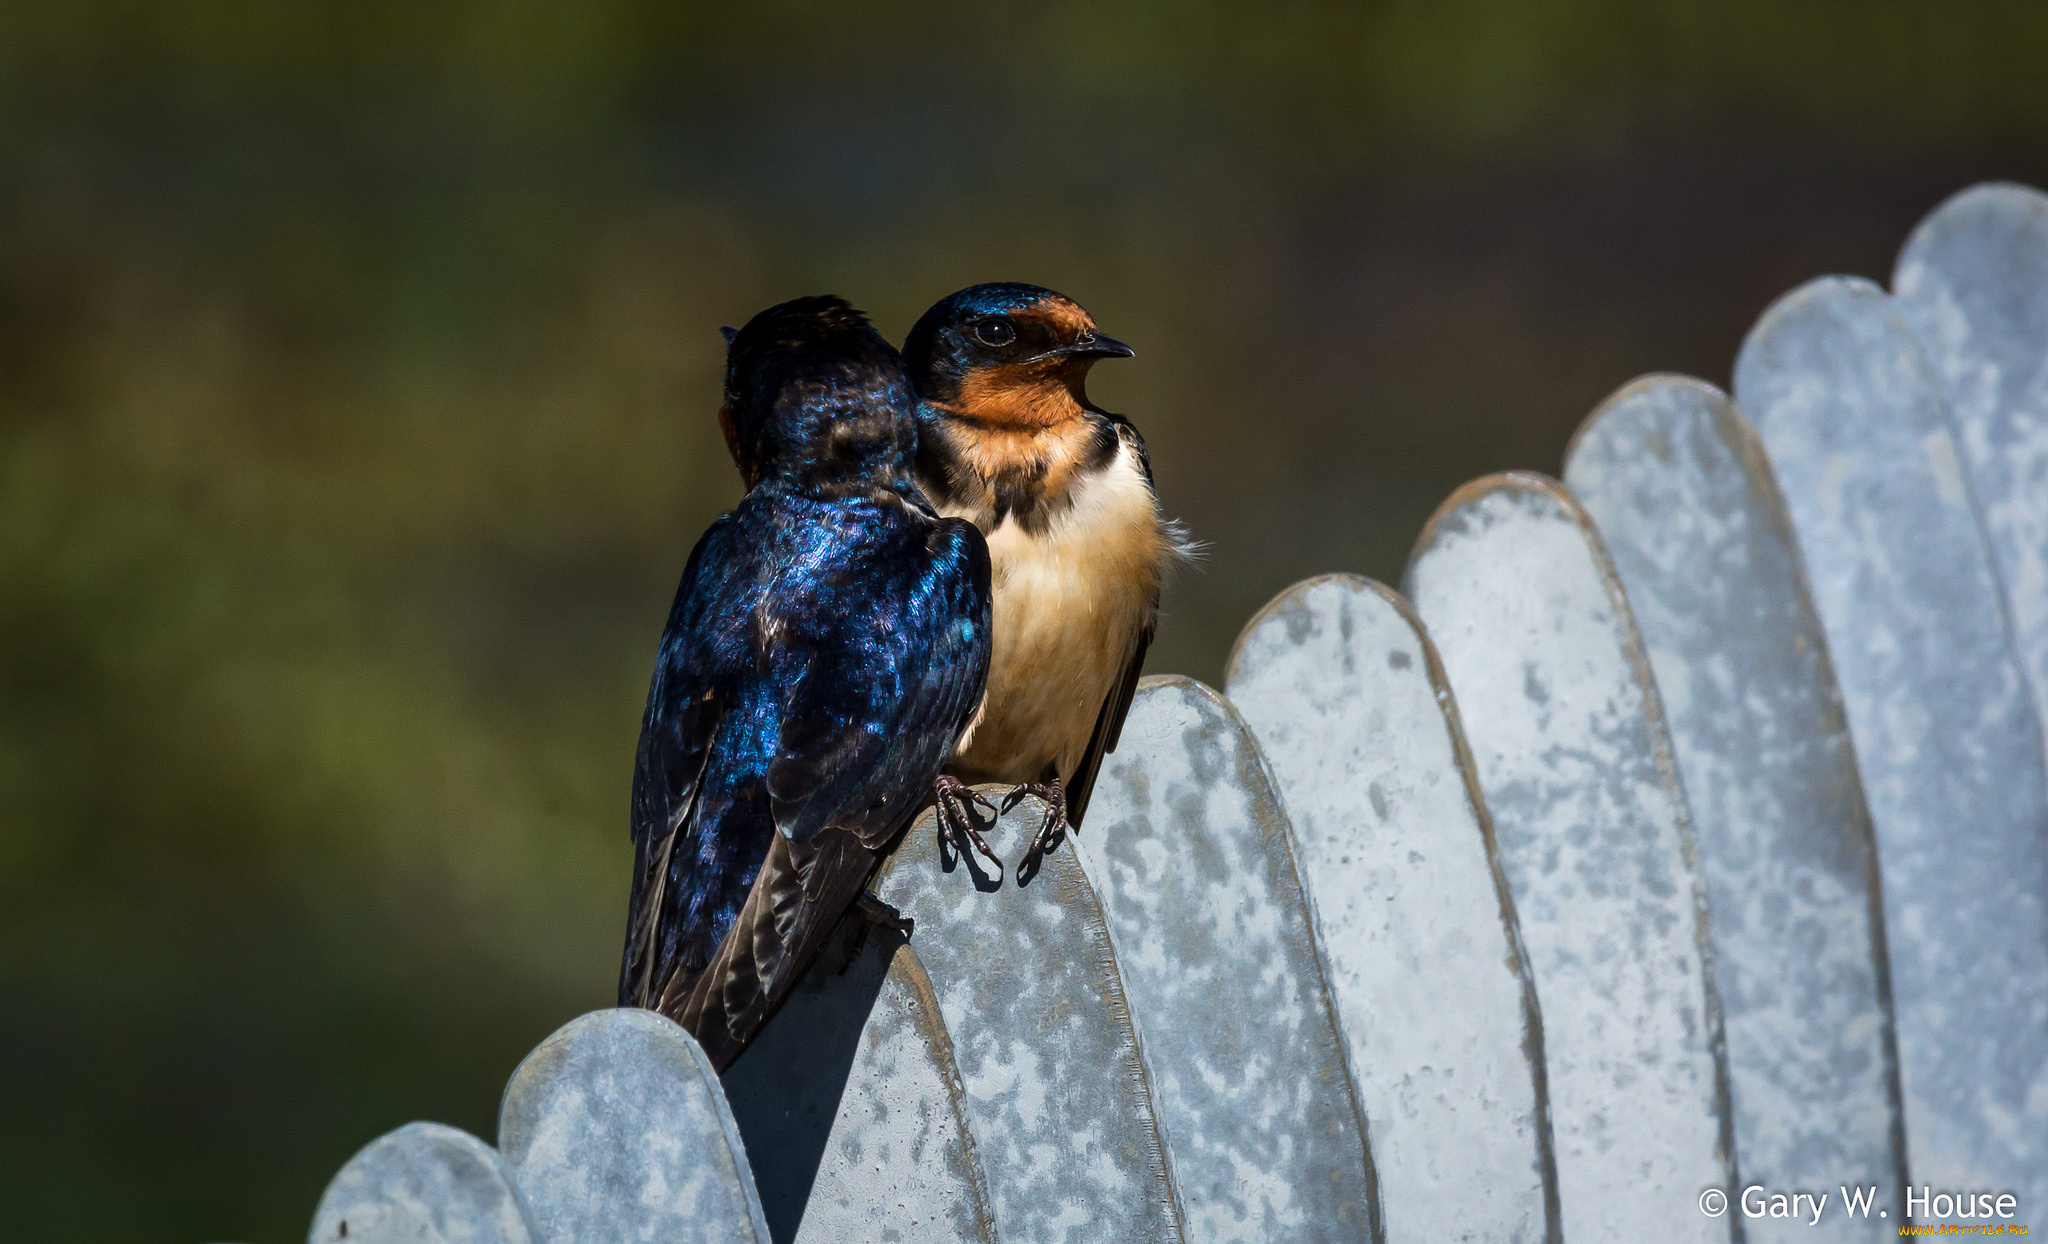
[{"x": 990, "y": 473}]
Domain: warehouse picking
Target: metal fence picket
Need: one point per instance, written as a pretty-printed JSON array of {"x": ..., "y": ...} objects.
[
  {"x": 1946, "y": 741},
  {"x": 1057, "y": 1096},
  {"x": 424, "y": 1184},
  {"x": 1973, "y": 284},
  {"x": 1350, "y": 707},
  {"x": 617, "y": 1130},
  {"x": 1678, "y": 483},
  {"x": 853, "y": 1111},
  {"x": 1190, "y": 849},
  {"x": 1566, "y": 732}
]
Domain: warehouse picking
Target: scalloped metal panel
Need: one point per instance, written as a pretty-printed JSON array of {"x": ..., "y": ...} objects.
[
  {"x": 853, "y": 1111},
  {"x": 1561, "y": 711},
  {"x": 1350, "y": 708},
  {"x": 1679, "y": 485},
  {"x": 1190, "y": 849},
  {"x": 1946, "y": 742},
  {"x": 1973, "y": 283},
  {"x": 618, "y": 1130},
  {"x": 424, "y": 1183},
  {"x": 1057, "y": 1096}
]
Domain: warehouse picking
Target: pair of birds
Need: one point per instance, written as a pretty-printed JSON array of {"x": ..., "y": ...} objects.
[{"x": 946, "y": 569}]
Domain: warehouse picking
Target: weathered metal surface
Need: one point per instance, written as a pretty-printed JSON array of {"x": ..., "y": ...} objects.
[
  {"x": 853, "y": 1111},
  {"x": 1973, "y": 283},
  {"x": 1568, "y": 740},
  {"x": 1677, "y": 481},
  {"x": 1350, "y": 707},
  {"x": 1943, "y": 723},
  {"x": 618, "y": 1130},
  {"x": 1189, "y": 847},
  {"x": 424, "y": 1184},
  {"x": 1058, "y": 1098}
]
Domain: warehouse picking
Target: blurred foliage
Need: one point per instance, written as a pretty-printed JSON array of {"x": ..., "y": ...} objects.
[
  {"x": 1416, "y": 70},
  {"x": 356, "y": 368}
]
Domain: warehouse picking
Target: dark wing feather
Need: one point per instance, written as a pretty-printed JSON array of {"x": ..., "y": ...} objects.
[
  {"x": 1109, "y": 723},
  {"x": 1109, "y": 727},
  {"x": 797, "y": 899},
  {"x": 676, "y": 734},
  {"x": 864, "y": 734}
]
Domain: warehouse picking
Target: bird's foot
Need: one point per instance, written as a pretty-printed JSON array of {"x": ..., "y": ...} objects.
[
  {"x": 870, "y": 913},
  {"x": 954, "y": 802},
  {"x": 1051, "y": 832}
]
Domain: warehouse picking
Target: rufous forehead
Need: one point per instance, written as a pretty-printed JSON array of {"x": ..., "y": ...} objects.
[{"x": 1066, "y": 317}]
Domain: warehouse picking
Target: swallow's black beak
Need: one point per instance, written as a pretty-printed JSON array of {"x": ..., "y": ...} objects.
[{"x": 1093, "y": 346}]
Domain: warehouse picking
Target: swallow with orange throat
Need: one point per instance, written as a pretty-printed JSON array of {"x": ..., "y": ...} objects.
[{"x": 1062, "y": 490}]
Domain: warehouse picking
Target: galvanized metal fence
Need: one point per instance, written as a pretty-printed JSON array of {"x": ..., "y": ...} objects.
[{"x": 1681, "y": 826}]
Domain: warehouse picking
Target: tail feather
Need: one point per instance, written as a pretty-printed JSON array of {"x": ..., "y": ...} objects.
[{"x": 796, "y": 900}]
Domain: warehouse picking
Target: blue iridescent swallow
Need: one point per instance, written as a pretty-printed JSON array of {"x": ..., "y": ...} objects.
[{"x": 827, "y": 649}]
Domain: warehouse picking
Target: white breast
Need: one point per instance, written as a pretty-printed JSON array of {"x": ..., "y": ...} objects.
[{"x": 1069, "y": 603}]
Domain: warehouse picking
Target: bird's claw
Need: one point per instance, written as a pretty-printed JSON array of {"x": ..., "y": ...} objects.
[
  {"x": 1051, "y": 832},
  {"x": 953, "y": 801}
]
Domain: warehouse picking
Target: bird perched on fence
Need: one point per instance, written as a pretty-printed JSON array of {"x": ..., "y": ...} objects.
[
  {"x": 826, "y": 651},
  {"x": 1063, "y": 490}
]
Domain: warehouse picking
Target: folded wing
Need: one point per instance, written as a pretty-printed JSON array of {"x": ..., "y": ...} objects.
[{"x": 884, "y": 665}]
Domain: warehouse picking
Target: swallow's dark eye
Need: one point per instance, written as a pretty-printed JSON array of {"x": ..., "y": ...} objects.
[{"x": 994, "y": 332}]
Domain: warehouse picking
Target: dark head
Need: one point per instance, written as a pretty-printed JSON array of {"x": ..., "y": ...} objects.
[
  {"x": 815, "y": 397},
  {"x": 1007, "y": 354}
]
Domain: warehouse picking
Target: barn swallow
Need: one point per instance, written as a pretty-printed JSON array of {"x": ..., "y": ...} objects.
[
  {"x": 1062, "y": 489},
  {"x": 826, "y": 651}
]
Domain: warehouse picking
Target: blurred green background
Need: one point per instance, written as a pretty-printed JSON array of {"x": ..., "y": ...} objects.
[{"x": 357, "y": 368}]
